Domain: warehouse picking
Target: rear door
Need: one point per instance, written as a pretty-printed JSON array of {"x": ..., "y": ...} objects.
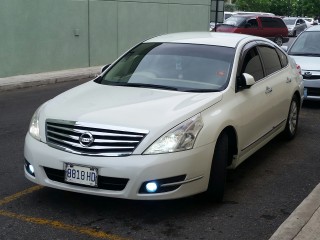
[{"x": 278, "y": 80}]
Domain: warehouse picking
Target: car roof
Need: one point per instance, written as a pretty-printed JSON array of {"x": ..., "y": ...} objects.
[
  {"x": 315, "y": 28},
  {"x": 255, "y": 15},
  {"x": 207, "y": 38}
]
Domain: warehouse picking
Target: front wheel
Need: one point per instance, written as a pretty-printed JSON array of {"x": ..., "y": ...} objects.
[
  {"x": 218, "y": 171},
  {"x": 293, "y": 119}
]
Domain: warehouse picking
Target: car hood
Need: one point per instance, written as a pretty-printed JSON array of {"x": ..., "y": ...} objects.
[
  {"x": 307, "y": 62},
  {"x": 140, "y": 108}
]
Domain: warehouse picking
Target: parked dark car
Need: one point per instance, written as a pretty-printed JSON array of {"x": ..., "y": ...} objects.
[{"x": 270, "y": 27}]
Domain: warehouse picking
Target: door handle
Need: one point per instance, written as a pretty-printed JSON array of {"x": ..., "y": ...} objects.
[
  {"x": 288, "y": 80},
  {"x": 268, "y": 90}
]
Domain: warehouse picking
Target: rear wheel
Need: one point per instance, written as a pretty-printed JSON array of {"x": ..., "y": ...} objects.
[
  {"x": 293, "y": 119},
  {"x": 218, "y": 171}
]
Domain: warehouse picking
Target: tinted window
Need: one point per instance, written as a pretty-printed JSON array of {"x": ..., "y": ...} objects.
[
  {"x": 270, "y": 22},
  {"x": 280, "y": 22},
  {"x": 252, "y": 64},
  {"x": 252, "y": 23},
  {"x": 270, "y": 59},
  {"x": 283, "y": 58}
]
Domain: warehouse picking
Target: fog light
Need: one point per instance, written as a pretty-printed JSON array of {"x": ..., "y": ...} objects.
[
  {"x": 151, "y": 187},
  {"x": 29, "y": 168}
]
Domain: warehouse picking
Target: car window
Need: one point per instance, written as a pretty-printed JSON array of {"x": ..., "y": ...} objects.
[
  {"x": 252, "y": 23},
  {"x": 289, "y": 21},
  {"x": 252, "y": 64},
  {"x": 270, "y": 22},
  {"x": 283, "y": 58},
  {"x": 280, "y": 23},
  {"x": 236, "y": 21},
  {"x": 270, "y": 59},
  {"x": 173, "y": 65}
]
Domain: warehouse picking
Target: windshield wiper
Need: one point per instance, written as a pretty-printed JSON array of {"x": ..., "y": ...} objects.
[{"x": 144, "y": 85}]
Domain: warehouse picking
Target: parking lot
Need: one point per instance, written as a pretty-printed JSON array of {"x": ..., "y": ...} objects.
[{"x": 260, "y": 194}]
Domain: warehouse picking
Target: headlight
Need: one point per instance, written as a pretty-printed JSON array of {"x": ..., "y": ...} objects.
[
  {"x": 34, "y": 125},
  {"x": 180, "y": 138}
]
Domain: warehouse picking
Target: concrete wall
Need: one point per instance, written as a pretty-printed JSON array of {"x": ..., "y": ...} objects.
[{"x": 47, "y": 35}]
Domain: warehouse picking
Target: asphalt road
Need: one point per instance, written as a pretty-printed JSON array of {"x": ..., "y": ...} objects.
[{"x": 260, "y": 194}]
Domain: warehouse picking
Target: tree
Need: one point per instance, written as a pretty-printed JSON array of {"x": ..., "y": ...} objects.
[{"x": 281, "y": 7}]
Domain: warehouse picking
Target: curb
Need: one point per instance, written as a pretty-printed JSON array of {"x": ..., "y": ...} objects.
[
  {"x": 303, "y": 223},
  {"x": 39, "y": 79}
]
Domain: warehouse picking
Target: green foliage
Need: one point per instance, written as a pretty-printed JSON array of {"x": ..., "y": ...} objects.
[
  {"x": 308, "y": 8},
  {"x": 229, "y": 7}
]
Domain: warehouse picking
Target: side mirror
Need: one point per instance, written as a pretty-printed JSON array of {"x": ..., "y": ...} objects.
[
  {"x": 284, "y": 48},
  {"x": 245, "y": 81},
  {"x": 249, "y": 79},
  {"x": 105, "y": 67},
  {"x": 297, "y": 23}
]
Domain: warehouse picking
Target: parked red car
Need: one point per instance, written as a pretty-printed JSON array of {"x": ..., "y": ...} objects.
[{"x": 270, "y": 27}]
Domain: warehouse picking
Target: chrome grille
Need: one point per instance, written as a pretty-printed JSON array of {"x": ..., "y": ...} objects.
[
  {"x": 106, "y": 140},
  {"x": 311, "y": 75}
]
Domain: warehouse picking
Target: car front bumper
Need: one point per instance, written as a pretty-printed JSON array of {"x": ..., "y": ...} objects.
[
  {"x": 312, "y": 89},
  {"x": 194, "y": 164}
]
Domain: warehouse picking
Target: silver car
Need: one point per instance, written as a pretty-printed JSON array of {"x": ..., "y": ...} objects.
[
  {"x": 295, "y": 25},
  {"x": 306, "y": 52}
]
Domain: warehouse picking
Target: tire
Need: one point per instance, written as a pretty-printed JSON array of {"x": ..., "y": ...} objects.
[
  {"x": 218, "y": 172},
  {"x": 278, "y": 41},
  {"x": 293, "y": 119}
]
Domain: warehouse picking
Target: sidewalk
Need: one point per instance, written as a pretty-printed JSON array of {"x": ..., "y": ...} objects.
[
  {"x": 302, "y": 224},
  {"x": 38, "y": 79}
]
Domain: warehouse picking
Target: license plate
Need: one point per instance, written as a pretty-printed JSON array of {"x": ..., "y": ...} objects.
[{"x": 83, "y": 175}]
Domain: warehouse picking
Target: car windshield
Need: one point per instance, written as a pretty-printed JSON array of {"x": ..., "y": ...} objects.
[
  {"x": 289, "y": 21},
  {"x": 227, "y": 15},
  {"x": 306, "y": 44},
  {"x": 173, "y": 66},
  {"x": 235, "y": 21}
]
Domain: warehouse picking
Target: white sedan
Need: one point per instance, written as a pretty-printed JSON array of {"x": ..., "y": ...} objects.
[
  {"x": 305, "y": 50},
  {"x": 167, "y": 118}
]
